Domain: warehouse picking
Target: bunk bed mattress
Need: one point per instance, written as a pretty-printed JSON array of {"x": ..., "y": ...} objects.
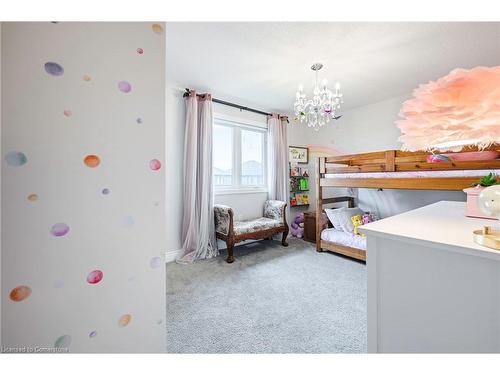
[
  {"x": 436, "y": 174},
  {"x": 343, "y": 238}
]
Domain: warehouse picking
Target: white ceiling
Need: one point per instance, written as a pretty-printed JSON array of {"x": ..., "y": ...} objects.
[{"x": 262, "y": 64}]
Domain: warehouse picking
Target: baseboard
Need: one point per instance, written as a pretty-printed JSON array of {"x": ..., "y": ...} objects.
[{"x": 172, "y": 255}]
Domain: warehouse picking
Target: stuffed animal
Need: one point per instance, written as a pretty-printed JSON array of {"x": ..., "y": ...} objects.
[
  {"x": 367, "y": 218},
  {"x": 357, "y": 220},
  {"x": 298, "y": 226}
]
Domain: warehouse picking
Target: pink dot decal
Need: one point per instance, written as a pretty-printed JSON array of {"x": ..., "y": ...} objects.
[
  {"x": 67, "y": 113},
  {"x": 155, "y": 164},
  {"x": 124, "y": 87},
  {"x": 95, "y": 276},
  {"x": 140, "y": 51},
  {"x": 59, "y": 229}
]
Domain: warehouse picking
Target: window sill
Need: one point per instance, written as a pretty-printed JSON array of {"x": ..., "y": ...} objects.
[{"x": 257, "y": 190}]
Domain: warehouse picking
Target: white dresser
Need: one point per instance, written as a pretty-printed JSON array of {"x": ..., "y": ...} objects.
[{"x": 431, "y": 289}]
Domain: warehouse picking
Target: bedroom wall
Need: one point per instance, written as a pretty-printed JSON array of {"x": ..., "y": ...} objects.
[
  {"x": 371, "y": 128},
  {"x": 82, "y": 204}
]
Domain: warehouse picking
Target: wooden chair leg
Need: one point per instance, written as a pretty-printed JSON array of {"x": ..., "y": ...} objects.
[
  {"x": 283, "y": 239},
  {"x": 230, "y": 257}
]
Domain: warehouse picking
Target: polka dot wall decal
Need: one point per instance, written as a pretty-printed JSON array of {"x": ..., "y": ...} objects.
[
  {"x": 157, "y": 28},
  {"x": 67, "y": 113},
  {"x": 16, "y": 158},
  {"x": 87, "y": 78},
  {"x": 155, "y": 164},
  {"x": 106, "y": 191},
  {"x": 128, "y": 221},
  {"x": 155, "y": 262},
  {"x": 58, "y": 284},
  {"x": 63, "y": 342},
  {"x": 59, "y": 229},
  {"x": 54, "y": 69},
  {"x": 93, "y": 334},
  {"x": 124, "y": 320},
  {"x": 95, "y": 277},
  {"x": 32, "y": 197},
  {"x": 139, "y": 120},
  {"x": 20, "y": 293},
  {"x": 92, "y": 161},
  {"x": 140, "y": 51},
  {"x": 124, "y": 87}
]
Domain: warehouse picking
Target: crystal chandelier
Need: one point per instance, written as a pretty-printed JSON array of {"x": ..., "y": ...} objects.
[{"x": 322, "y": 107}]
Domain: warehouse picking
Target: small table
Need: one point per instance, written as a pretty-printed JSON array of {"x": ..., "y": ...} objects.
[{"x": 310, "y": 226}]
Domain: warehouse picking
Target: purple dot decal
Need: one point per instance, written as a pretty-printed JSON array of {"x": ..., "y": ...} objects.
[
  {"x": 63, "y": 342},
  {"x": 139, "y": 120},
  {"x": 124, "y": 86},
  {"x": 93, "y": 334},
  {"x": 59, "y": 229},
  {"x": 155, "y": 164},
  {"x": 140, "y": 51},
  {"x": 15, "y": 158},
  {"x": 155, "y": 262},
  {"x": 95, "y": 276},
  {"x": 58, "y": 284},
  {"x": 54, "y": 68},
  {"x": 106, "y": 191}
]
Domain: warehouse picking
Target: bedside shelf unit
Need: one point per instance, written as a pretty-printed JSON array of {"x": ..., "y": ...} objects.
[{"x": 299, "y": 186}]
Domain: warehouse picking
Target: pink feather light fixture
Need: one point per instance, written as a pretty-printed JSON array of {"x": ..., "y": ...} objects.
[{"x": 459, "y": 109}]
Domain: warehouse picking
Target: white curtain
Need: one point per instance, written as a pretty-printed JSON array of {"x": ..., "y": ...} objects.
[
  {"x": 198, "y": 228},
  {"x": 277, "y": 158}
]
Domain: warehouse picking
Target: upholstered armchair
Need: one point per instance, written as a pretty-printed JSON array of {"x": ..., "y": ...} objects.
[{"x": 272, "y": 222}]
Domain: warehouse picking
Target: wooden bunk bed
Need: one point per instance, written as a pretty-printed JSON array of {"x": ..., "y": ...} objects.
[{"x": 391, "y": 169}]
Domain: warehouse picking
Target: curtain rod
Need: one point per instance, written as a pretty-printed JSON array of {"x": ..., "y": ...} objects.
[{"x": 240, "y": 107}]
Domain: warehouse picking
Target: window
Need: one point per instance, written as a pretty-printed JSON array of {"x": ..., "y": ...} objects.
[{"x": 239, "y": 155}]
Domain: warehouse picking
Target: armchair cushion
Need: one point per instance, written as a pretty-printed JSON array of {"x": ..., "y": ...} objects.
[
  {"x": 263, "y": 223},
  {"x": 222, "y": 218},
  {"x": 275, "y": 210}
]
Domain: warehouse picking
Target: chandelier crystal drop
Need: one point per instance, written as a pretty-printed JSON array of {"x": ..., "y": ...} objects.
[{"x": 323, "y": 106}]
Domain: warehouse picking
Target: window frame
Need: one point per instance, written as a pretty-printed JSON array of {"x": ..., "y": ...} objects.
[{"x": 237, "y": 124}]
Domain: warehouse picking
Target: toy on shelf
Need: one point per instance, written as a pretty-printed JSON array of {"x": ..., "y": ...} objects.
[{"x": 297, "y": 225}]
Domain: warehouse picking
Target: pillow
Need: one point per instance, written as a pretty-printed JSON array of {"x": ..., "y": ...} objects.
[
  {"x": 334, "y": 216},
  {"x": 341, "y": 217},
  {"x": 346, "y": 223}
]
